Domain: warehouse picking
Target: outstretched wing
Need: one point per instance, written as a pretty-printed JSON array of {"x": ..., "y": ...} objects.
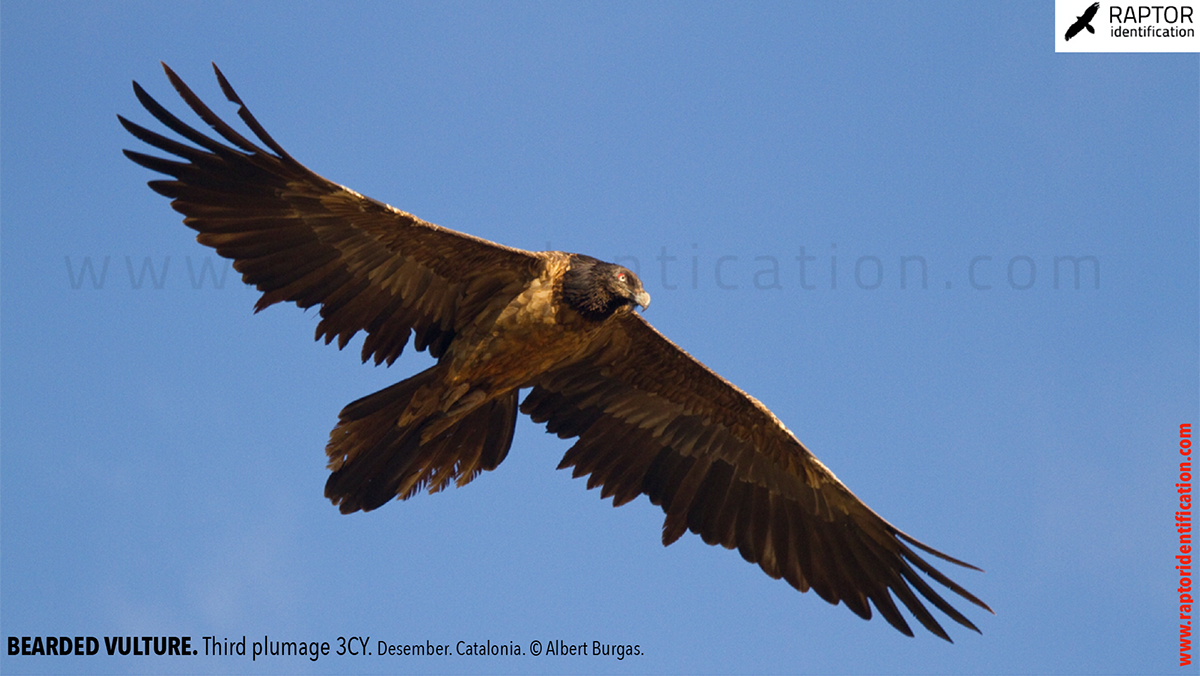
[
  {"x": 299, "y": 237},
  {"x": 651, "y": 419}
]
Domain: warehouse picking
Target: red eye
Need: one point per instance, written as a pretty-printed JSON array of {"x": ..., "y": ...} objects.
[{"x": 621, "y": 276}]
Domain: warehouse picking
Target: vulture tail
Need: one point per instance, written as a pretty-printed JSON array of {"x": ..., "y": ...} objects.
[{"x": 375, "y": 459}]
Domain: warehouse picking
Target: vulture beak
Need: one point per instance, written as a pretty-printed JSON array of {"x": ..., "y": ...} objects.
[{"x": 643, "y": 299}]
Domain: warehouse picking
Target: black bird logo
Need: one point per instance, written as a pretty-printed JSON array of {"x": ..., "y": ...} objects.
[{"x": 1084, "y": 21}]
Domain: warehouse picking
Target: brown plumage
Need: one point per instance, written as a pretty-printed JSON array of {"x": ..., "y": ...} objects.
[{"x": 649, "y": 418}]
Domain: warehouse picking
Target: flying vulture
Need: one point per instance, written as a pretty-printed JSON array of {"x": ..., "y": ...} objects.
[
  {"x": 1084, "y": 21},
  {"x": 649, "y": 418}
]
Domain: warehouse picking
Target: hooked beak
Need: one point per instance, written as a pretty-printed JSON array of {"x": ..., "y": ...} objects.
[{"x": 642, "y": 299}]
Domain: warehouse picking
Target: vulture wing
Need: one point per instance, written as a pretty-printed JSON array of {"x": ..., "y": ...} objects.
[
  {"x": 652, "y": 419},
  {"x": 302, "y": 238}
]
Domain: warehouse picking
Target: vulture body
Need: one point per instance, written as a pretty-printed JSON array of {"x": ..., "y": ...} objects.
[{"x": 649, "y": 419}]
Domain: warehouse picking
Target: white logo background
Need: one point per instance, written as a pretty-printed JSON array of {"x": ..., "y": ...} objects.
[{"x": 1182, "y": 16}]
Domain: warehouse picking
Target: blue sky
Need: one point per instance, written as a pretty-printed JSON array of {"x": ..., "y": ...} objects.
[{"x": 161, "y": 447}]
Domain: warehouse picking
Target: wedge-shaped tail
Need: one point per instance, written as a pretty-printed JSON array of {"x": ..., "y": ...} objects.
[{"x": 375, "y": 458}]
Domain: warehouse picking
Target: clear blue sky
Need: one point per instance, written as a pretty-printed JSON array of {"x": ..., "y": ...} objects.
[{"x": 161, "y": 447}]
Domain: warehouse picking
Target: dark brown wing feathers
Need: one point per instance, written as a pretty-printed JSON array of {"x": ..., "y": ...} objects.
[
  {"x": 299, "y": 237},
  {"x": 649, "y": 419}
]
